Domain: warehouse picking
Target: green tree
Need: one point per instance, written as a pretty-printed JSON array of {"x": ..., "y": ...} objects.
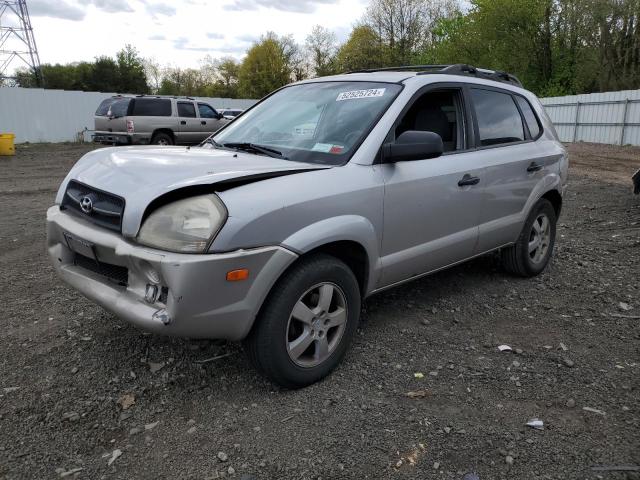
[
  {"x": 363, "y": 49},
  {"x": 132, "y": 77},
  {"x": 265, "y": 68}
]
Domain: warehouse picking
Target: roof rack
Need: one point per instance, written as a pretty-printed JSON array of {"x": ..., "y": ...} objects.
[{"x": 454, "y": 69}]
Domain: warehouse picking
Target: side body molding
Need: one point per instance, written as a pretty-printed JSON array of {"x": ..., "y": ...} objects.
[{"x": 352, "y": 228}]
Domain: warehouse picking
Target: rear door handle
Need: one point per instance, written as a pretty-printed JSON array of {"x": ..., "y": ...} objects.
[
  {"x": 203, "y": 122},
  {"x": 468, "y": 180},
  {"x": 183, "y": 122},
  {"x": 534, "y": 167}
]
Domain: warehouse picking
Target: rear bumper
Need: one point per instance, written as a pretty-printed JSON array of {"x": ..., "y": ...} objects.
[{"x": 197, "y": 300}]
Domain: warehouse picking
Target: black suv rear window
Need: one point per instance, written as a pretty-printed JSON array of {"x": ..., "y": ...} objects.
[
  {"x": 116, "y": 107},
  {"x": 151, "y": 107}
]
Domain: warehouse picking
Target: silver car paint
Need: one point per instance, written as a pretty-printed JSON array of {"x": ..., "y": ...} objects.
[{"x": 411, "y": 217}]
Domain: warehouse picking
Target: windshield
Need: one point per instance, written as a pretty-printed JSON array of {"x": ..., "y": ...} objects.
[{"x": 315, "y": 122}]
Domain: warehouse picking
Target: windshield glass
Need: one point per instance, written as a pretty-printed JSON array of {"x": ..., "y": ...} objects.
[{"x": 315, "y": 122}]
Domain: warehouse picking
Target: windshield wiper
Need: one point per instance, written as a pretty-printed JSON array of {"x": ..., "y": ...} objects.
[
  {"x": 253, "y": 147},
  {"x": 212, "y": 142}
]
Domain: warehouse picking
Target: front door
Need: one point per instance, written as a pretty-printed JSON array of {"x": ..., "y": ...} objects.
[
  {"x": 432, "y": 207},
  {"x": 210, "y": 120}
]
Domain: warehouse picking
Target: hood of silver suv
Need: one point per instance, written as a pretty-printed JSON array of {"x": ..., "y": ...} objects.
[{"x": 142, "y": 174}]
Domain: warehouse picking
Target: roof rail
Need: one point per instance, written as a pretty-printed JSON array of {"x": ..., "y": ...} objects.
[{"x": 454, "y": 69}]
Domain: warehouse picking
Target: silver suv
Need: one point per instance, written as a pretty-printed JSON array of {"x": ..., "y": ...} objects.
[
  {"x": 322, "y": 194},
  {"x": 127, "y": 120}
]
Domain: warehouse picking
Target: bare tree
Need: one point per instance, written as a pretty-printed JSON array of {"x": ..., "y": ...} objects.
[
  {"x": 404, "y": 26},
  {"x": 153, "y": 70},
  {"x": 321, "y": 48}
]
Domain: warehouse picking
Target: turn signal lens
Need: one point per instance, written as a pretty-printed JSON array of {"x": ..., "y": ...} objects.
[{"x": 237, "y": 275}]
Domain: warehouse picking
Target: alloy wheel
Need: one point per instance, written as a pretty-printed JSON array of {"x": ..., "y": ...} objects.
[{"x": 316, "y": 324}]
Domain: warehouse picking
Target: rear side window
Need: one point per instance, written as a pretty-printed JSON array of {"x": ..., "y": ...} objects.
[
  {"x": 499, "y": 120},
  {"x": 113, "y": 107},
  {"x": 206, "y": 111},
  {"x": 529, "y": 116},
  {"x": 152, "y": 107},
  {"x": 186, "y": 109}
]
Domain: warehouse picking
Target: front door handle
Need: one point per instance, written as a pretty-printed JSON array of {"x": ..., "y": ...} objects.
[
  {"x": 203, "y": 122},
  {"x": 183, "y": 122},
  {"x": 534, "y": 167},
  {"x": 468, "y": 180}
]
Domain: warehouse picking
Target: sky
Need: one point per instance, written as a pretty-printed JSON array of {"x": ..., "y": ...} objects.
[{"x": 178, "y": 32}]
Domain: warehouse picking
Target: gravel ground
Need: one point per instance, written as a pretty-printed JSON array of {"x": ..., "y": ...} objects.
[{"x": 83, "y": 392}]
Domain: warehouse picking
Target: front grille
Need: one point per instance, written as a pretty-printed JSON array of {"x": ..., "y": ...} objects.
[
  {"x": 116, "y": 273},
  {"x": 101, "y": 208}
]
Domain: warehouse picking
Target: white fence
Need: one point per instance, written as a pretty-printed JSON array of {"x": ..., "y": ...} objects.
[
  {"x": 38, "y": 115},
  {"x": 611, "y": 117}
]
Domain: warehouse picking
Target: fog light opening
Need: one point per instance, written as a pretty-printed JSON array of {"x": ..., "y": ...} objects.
[
  {"x": 163, "y": 316},
  {"x": 151, "y": 293}
]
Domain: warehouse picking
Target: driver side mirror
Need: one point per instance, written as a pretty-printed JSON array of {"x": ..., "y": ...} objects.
[{"x": 413, "y": 145}]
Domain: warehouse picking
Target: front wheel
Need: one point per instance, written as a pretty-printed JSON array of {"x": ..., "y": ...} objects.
[
  {"x": 532, "y": 251},
  {"x": 307, "y": 322}
]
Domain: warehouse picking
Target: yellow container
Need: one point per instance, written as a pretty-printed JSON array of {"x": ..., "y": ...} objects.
[{"x": 6, "y": 144}]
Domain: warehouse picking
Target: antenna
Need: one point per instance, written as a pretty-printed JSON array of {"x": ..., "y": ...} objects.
[{"x": 17, "y": 44}]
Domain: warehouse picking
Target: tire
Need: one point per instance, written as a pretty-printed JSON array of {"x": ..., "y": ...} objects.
[
  {"x": 296, "y": 339},
  {"x": 519, "y": 259},
  {"x": 161, "y": 138}
]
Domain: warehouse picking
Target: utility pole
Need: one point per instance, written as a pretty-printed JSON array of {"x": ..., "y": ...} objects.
[{"x": 17, "y": 44}]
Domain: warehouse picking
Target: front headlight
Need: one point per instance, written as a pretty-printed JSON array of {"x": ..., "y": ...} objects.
[{"x": 186, "y": 225}]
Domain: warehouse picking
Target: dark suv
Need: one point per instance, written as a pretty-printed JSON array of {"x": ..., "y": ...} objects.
[{"x": 155, "y": 120}]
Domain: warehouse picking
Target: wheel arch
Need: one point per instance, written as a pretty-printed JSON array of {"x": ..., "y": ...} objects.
[
  {"x": 168, "y": 131},
  {"x": 350, "y": 238}
]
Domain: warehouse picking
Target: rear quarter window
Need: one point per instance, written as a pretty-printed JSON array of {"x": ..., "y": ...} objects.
[
  {"x": 529, "y": 116},
  {"x": 151, "y": 107}
]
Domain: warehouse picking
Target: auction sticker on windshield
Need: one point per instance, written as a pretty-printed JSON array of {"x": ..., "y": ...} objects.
[{"x": 354, "y": 94}]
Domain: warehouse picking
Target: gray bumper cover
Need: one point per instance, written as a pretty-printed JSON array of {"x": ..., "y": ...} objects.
[{"x": 200, "y": 302}]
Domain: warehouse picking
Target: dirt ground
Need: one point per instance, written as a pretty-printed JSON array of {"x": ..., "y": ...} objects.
[{"x": 78, "y": 386}]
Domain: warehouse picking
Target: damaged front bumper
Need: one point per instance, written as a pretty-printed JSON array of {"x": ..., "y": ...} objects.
[{"x": 175, "y": 294}]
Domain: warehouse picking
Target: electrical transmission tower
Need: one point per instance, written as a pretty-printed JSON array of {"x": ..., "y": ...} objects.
[{"x": 17, "y": 45}]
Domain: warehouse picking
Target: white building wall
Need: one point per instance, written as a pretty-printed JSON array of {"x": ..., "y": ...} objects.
[{"x": 39, "y": 115}]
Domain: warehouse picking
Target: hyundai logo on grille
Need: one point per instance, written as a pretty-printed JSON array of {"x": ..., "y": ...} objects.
[{"x": 86, "y": 204}]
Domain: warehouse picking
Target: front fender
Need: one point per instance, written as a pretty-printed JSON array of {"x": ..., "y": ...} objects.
[{"x": 352, "y": 228}]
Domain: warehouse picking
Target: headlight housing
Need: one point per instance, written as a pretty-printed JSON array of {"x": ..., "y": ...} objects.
[{"x": 185, "y": 226}]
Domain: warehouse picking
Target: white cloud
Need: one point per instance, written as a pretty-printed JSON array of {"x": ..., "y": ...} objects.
[
  {"x": 61, "y": 9},
  {"x": 177, "y": 32},
  {"x": 301, "y": 6}
]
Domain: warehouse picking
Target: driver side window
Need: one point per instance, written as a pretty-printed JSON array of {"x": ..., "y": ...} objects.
[{"x": 440, "y": 112}]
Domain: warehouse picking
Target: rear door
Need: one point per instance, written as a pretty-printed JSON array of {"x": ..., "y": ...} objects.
[
  {"x": 210, "y": 120},
  {"x": 149, "y": 114},
  {"x": 189, "y": 123},
  {"x": 506, "y": 133}
]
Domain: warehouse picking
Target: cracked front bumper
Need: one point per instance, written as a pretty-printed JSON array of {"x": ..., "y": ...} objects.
[{"x": 194, "y": 298}]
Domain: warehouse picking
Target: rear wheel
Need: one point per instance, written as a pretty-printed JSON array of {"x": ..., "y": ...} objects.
[
  {"x": 162, "y": 139},
  {"x": 532, "y": 251},
  {"x": 307, "y": 323}
]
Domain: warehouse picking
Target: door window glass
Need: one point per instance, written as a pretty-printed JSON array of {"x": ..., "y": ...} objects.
[
  {"x": 186, "y": 109},
  {"x": 439, "y": 112},
  {"x": 529, "y": 116},
  {"x": 206, "y": 111},
  {"x": 499, "y": 120}
]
